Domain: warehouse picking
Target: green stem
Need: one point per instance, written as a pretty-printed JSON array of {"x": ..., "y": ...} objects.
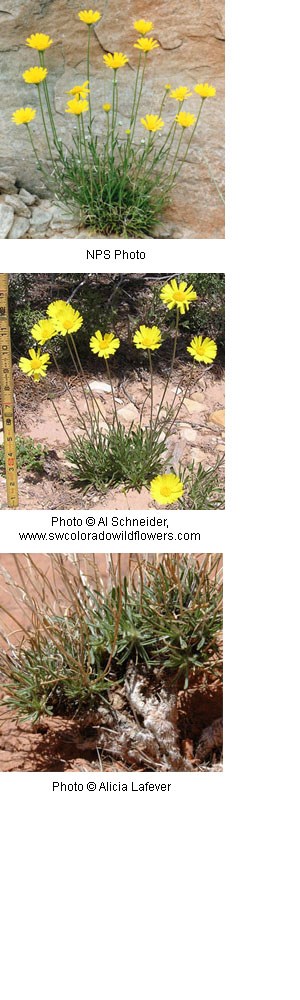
[
  {"x": 34, "y": 149},
  {"x": 151, "y": 379},
  {"x": 190, "y": 140},
  {"x": 139, "y": 97},
  {"x": 45, "y": 126},
  {"x": 171, "y": 367},
  {"x": 135, "y": 91},
  {"x": 112, "y": 389},
  {"x": 88, "y": 72}
]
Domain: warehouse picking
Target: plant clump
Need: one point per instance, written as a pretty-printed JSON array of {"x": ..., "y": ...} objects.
[{"x": 120, "y": 180}]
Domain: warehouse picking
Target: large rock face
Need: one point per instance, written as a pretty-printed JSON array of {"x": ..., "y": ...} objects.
[{"x": 191, "y": 50}]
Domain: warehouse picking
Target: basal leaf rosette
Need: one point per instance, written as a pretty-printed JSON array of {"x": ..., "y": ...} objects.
[
  {"x": 36, "y": 365},
  {"x": 104, "y": 344},
  {"x": 166, "y": 489}
]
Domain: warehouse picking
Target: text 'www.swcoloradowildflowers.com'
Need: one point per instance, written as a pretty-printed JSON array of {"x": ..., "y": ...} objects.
[{"x": 104, "y": 529}]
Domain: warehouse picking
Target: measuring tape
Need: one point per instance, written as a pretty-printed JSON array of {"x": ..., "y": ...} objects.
[{"x": 7, "y": 397}]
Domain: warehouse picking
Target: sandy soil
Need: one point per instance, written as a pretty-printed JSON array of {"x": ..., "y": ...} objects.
[{"x": 198, "y": 433}]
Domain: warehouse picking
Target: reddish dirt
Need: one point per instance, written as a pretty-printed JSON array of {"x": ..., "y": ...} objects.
[{"x": 196, "y": 435}]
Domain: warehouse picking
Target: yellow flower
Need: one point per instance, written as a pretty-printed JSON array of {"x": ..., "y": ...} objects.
[
  {"x": 106, "y": 107},
  {"x": 128, "y": 131},
  {"x": 43, "y": 331},
  {"x": 204, "y": 90},
  {"x": 89, "y": 16},
  {"x": 81, "y": 90},
  {"x": 65, "y": 318},
  {"x": 181, "y": 93},
  {"x": 143, "y": 26},
  {"x": 146, "y": 44},
  {"x": 104, "y": 344},
  {"x": 39, "y": 42},
  {"x": 167, "y": 86},
  {"x": 115, "y": 60},
  {"x": 36, "y": 74},
  {"x": 147, "y": 338},
  {"x": 23, "y": 115},
  {"x": 77, "y": 107},
  {"x": 180, "y": 295},
  {"x": 203, "y": 349},
  {"x": 167, "y": 488},
  {"x": 152, "y": 123},
  {"x": 185, "y": 119},
  {"x": 35, "y": 365}
]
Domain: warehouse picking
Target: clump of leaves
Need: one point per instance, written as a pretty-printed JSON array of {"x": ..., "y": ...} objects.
[
  {"x": 164, "y": 618},
  {"x": 117, "y": 456},
  {"x": 30, "y": 456},
  {"x": 203, "y": 489}
]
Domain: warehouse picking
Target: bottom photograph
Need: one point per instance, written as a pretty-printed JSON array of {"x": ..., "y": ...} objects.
[{"x": 111, "y": 662}]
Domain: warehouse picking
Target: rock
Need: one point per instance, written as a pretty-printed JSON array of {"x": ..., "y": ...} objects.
[
  {"x": 199, "y": 457},
  {"x": 100, "y": 386},
  {"x": 18, "y": 205},
  {"x": 218, "y": 417},
  {"x": 41, "y": 216},
  {"x": 6, "y": 220},
  {"x": 190, "y": 434},
  {"x": 27, "y": 198},
  {"x": 192, "y": 50},
  {"x": 19, "y": 228},
  {"x": 193, "y": 406},
  {"x": 129, "y": 414},
  {"x": 7, "y": 182}
]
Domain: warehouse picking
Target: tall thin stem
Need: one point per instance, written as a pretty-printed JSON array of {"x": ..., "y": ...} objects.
[
  {"x": 112, "y": 389},
  {"x": 171, "y": 367}
]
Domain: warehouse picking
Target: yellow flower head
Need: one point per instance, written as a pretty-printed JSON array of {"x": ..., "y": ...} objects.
[
  {"x": 143, "y": 26},
  {"x": 23, "y": 115},
  {"x": 181, "y": 93},
  {"x": 106, "y": 107},
  {"x": 77, "y": 107},
  {"x": 128, "y": 131},
  {"x": 36, "y": 74},
  {"x": 65, "y": 318},
  {"x": 203, "y": 349},
  {"x": 167, "y": 86},
  {"x": 146, "y": 44},
  {"x": 81, "y": 90},
  {"x": 43, "y": 331},
  {"x": 147, "y": 338},
  {"x": 152, "y": 123},
  {"x": 180, "y": 295},
  {"x": 104, "y": 344},
  {"x": 204, "y": 90},
  {"x": 39, "y": 42},
  {"x": 89, "y": 16},
  {"x": 115, "y": 60},
  {"x": 185, "y": 119},
  {"x": 167, "y": 488},
  {"x": 35, "y": 365}
]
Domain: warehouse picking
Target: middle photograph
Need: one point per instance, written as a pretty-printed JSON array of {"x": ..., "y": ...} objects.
[{"x": 118, "y": 390}]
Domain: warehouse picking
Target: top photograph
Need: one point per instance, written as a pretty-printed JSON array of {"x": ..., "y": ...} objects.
[{"x": 112, "y": 120}]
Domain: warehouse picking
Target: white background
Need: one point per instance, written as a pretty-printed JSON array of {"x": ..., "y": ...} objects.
[{"x": 196, "y": 893}]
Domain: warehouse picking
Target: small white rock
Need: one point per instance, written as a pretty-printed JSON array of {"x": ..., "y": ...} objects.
[
  {"x": 19, "y": 228},
  {"x": 41, "y": 216},
  {"x": 6, "y": 220},
  {"x": 18, "y": 205},
  {"x": 27, "y": 197},
  {"x": 7, "y": 182}
]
